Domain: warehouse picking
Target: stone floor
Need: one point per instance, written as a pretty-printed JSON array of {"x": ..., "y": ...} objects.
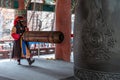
[{"x": 44, "y": 68}]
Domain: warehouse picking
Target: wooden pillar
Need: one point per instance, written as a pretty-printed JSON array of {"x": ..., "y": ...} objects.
[
  {"x": 63, "y": 24},
  {"x": 21, "y": 4},
  {"x": 21, "y": 9}
]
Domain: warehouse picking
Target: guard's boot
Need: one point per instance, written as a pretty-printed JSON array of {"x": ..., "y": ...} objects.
[
  {"x": 18, "y": 62},
  {"x": 30, "y": 61}
]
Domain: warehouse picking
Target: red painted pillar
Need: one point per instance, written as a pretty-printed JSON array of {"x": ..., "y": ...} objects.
[
  {"x": 63, "y": 24},
  {"x": 21, "y": 4},
  {"x": 21, "y": 9}
]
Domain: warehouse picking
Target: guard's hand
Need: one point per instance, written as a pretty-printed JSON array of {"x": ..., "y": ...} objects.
[{"x": 26, "y": 29}]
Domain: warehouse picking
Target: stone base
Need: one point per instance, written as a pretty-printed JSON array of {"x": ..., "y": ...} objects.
[{"x": 84, "y": 74}]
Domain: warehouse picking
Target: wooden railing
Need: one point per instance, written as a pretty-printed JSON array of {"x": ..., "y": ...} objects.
[
  {"x": 49, "y": 50},
  {"x": 5, "y": 54}
]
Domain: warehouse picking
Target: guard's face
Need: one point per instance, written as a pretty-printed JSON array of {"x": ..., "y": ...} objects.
[{"x": 24, "y": 22}]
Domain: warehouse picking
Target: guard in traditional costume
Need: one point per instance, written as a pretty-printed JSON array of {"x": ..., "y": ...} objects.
[{"x": 20, "y": 47}]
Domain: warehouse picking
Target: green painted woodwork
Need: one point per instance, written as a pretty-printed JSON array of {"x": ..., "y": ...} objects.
[{"x": 13, "y": 4}]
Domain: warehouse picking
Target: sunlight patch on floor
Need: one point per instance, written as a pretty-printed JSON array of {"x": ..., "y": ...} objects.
[
  {"x": 4, "y": 60},
  {"x": 46, "y": 56}
]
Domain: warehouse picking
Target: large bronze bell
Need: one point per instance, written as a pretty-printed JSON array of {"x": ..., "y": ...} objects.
[{"x": 97, "y": 40}]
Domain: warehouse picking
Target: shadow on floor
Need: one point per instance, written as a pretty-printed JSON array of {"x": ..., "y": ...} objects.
[
  {"x": 5, "y": 78},
  {"x": 50, "y": 72},
  {"x": 69, "y": 78}
]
